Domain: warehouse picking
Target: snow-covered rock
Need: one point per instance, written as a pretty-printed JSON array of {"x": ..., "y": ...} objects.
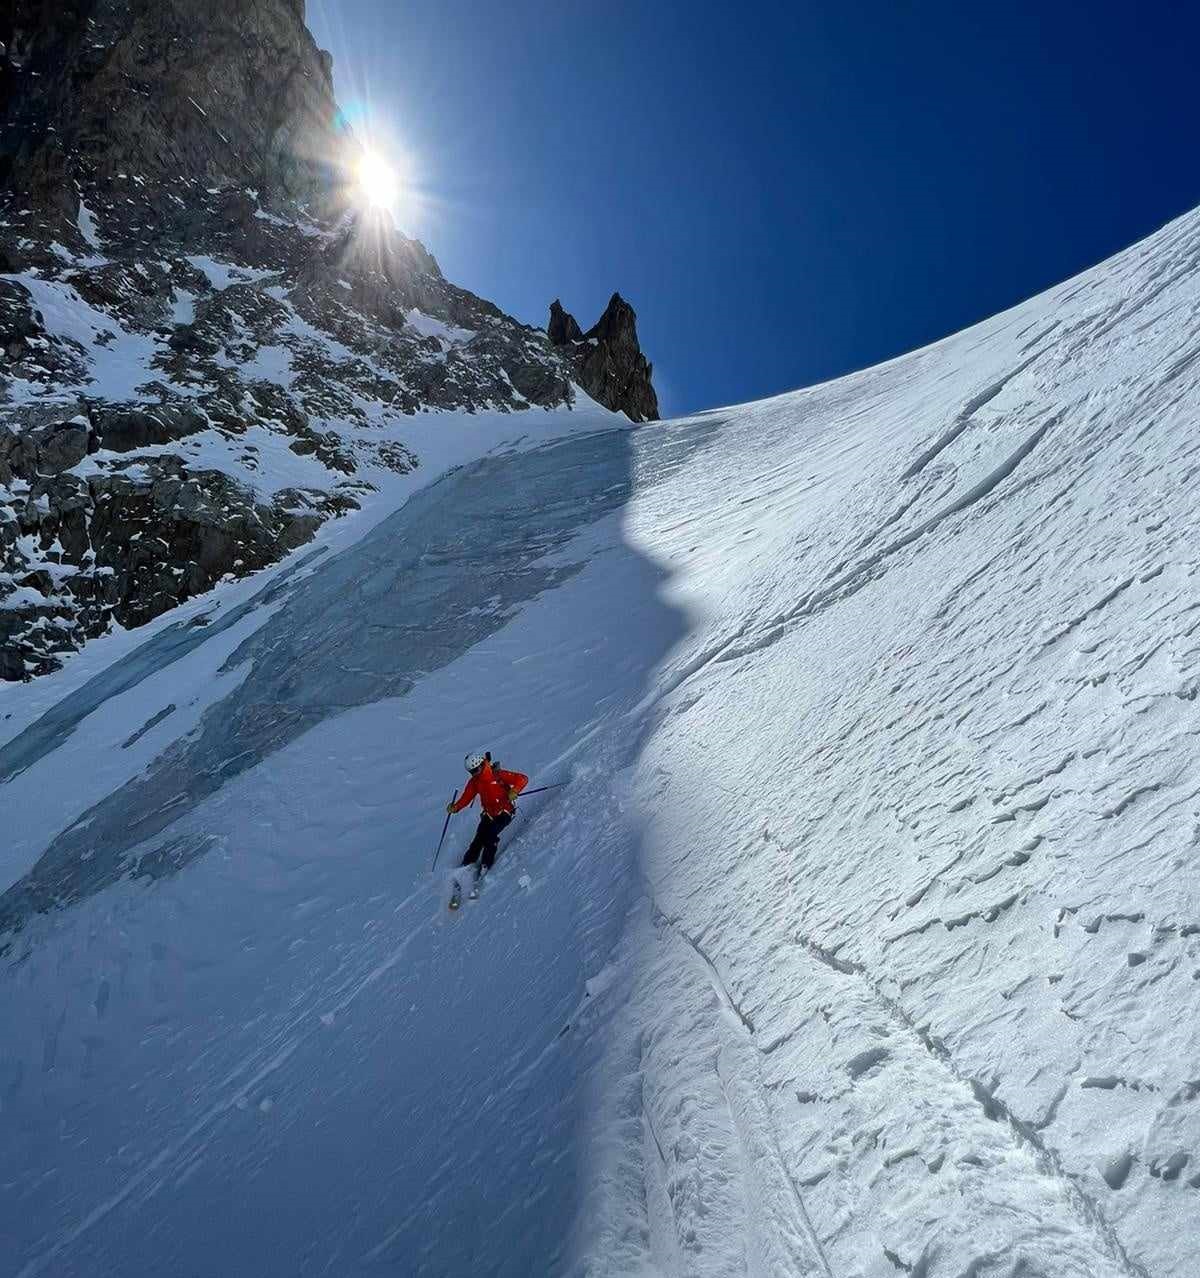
[{"x": 180, "y": 242}]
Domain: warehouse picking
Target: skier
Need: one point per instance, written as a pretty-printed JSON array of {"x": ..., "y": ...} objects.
[{"x": 497, "y": 790}]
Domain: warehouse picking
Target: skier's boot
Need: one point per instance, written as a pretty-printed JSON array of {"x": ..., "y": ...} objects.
[{"x": 480, "y": 871}]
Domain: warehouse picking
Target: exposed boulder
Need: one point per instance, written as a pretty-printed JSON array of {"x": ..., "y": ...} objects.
[
  {"x": 122, "y": 428},
  {"x": 62, "y": 446},
  {"x": 43, "y": 449},
  {"x": 608, "y": 359}
]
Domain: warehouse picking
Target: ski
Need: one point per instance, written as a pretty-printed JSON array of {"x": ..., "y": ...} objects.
[{"x": 456, "y": 896}]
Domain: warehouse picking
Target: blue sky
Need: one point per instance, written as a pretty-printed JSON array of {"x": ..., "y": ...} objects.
[{"x": 784, "y": 191}]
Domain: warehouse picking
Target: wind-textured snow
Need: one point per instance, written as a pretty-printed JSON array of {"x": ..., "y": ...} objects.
[{"x": 864, "y": 941}]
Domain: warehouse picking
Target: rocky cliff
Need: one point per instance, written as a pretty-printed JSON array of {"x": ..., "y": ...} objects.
[
  {"x": 607, "y": 360},
  {"x": 205, "y": 345}
]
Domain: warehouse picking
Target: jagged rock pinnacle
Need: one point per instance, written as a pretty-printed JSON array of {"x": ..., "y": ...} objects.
[{"x": 608, "y": 359}]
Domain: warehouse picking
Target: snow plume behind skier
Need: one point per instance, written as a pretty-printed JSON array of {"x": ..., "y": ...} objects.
[{"x": 496, "y": 789}]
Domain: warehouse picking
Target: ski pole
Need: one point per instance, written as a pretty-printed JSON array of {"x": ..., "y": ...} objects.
[
  {"x": 445, "y": 827},
  {"x": 555, "y": 786}
]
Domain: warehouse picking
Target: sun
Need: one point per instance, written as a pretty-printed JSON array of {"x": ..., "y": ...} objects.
[{"x": 378, "y": 181}]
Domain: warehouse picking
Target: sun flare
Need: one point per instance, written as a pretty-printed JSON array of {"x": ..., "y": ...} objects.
[{"x": 378, "y": 181}]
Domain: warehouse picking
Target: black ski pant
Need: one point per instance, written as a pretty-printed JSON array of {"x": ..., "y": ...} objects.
[{"x": 487, "y": 839}]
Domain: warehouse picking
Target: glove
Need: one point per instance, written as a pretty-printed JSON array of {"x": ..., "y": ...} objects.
[
  {"x": 450, "y": 807},
  {"x": 512, "y": 793}
]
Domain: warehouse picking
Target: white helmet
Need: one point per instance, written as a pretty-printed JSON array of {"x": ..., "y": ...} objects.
[{"x": 474, "y": 761}]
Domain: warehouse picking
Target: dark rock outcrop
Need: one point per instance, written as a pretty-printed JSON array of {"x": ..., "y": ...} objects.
[
  {"x": 562, "y": 327},
  {"x": 608, "y": 359},
  {"x": 207, "y": 344},
  {"x": 231, "y": 91}
]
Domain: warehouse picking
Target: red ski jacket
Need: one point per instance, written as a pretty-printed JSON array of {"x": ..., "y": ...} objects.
[{"x": 491, "y": 786}]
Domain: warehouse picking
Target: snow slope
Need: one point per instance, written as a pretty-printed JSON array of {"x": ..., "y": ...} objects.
[
  {"x": 918, "y": 971},
  {"x": 865, "y": 940}
]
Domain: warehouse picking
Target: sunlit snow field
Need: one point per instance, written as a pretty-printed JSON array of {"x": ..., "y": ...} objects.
[{"x": 864, "y": 940}]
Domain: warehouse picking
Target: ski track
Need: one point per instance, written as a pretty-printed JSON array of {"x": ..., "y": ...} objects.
[
  {"x": 864, "y": 942},
  {"x": 767, "y": 1173},
  {"x": 995, "y": 1110},
  {"x": 278, "y": 1051}
]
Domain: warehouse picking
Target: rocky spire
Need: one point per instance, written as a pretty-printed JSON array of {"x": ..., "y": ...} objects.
[
  {"x": 608, "y": 359},
  {"x": 562, "y": 327}
]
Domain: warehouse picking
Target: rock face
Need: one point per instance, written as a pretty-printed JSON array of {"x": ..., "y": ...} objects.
[
  {"x": 607, "y": 359},
  {"x": 206, "y": 346},
  {"x": 241, "y": 94}
]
